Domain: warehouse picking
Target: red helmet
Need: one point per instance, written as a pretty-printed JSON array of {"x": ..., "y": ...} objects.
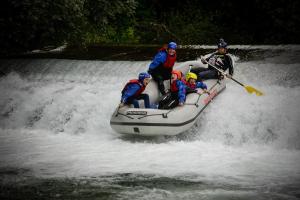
[{"x": 177, "y": 73}]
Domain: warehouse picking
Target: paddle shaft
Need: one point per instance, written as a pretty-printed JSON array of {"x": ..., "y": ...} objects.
[
  {"x": 249, "y": 88},
  {"x": 225, "y": 74},
  {"x": 237, "y": 81}
]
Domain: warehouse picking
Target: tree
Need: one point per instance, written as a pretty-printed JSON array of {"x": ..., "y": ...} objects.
[{"x": 30, "y": 24}]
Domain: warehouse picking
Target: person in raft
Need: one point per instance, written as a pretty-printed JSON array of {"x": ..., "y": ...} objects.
[
  {"x": 162, "y": 65},
  {"x": 132, "y": 92},
  {"x": 192, "y": 84},
  {"x": 177, "y": 93},
  {"x": 219, "y": 59}
]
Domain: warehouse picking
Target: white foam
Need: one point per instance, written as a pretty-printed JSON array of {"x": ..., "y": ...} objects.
[
  {"x": 56, "y": 123},
  {"x": 246, "y": 47}
]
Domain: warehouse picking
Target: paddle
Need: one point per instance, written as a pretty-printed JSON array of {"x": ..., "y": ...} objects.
[
  {"x": 249, "y": 88},
  {"x": 190, "y": 68}
]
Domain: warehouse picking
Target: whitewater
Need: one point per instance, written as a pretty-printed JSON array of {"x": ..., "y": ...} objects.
[{"x": 55, "y": 133}]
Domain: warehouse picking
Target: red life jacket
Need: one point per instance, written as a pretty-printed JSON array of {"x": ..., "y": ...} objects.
[
  {"x": 135, "y": 81},
  {"x": 192, "y": 86},
  {"x": 170, "y": 61},
  {"x": 173, "y": 86}
]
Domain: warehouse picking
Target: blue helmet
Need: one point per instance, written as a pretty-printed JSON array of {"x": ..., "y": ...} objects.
[
  {"x": 172, "y": 45},
  {"x": 222, "y": 44},
  {"x": 143, "y": 75}
]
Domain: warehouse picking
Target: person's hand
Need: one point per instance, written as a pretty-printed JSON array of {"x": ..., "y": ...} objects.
[
  {"x": 202, "y": 91},
  {"x": 181, "y": 104},
  {"x": 206, "y": 91},
  {"x": 203, "y": 60},
  {"x": 228, "y": 76},
  {"x": 199, "y": 91}
]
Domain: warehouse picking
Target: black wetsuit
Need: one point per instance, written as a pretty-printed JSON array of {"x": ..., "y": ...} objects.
[{"x": 221, "y": 61}]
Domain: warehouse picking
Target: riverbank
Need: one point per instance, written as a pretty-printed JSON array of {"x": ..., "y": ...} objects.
[
  {"x": 112, "y": 52},
  {"x": 146, "y": 52}
]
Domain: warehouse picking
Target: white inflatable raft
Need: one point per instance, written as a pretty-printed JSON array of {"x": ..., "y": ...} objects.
[{"x": 151, "y": 122}]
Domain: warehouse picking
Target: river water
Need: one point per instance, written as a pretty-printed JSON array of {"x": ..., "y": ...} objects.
[{"x": 56, "y": 141}]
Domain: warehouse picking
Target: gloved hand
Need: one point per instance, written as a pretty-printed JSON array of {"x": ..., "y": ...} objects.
[
  {"x": 228, "y": 76},
  {"x": 199, "y": 91},
  {"x": 206, "y": 91},
  {"x": 221, "y": 76},
  {"x": 203, "y": 60}
]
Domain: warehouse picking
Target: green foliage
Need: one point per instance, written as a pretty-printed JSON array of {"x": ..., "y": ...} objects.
[
  {"x": 33, "y": 24},
  {"x": 204, "y": 21},
  {"x": 30, "y": 24},
  {"x": 110, "y": 21},
  {"x": 102, "y": 13}
]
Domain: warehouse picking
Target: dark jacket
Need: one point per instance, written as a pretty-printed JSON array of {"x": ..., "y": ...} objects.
[{"x": 221, "y": 61}]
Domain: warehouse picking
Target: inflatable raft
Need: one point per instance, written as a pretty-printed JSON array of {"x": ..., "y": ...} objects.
[{"x": 152, "y": 122}]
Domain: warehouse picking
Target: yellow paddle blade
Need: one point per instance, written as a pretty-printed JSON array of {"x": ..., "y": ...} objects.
[{"x": 251, "y": 89}]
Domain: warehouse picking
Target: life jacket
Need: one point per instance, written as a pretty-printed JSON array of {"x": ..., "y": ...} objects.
[
  {"x": 173, "y": 86},
  {"x": 192, "y": 86},
  {"x": 135, "y": 81},
  {"x": 170, "y": 61}
]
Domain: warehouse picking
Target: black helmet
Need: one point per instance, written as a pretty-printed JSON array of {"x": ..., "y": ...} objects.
[{"x": 222, "y": 44}]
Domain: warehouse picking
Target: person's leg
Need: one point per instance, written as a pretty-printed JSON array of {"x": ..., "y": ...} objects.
[
  {"x": 174, "y": 100},
  {"x": 160, "y": 82},
  {"x": 170, "y": 102},
  {"x": 146, "y": 99},
  {"x": 164, "y": 100},
  {"x": 135, "y": 103},
  {"x": 208, "y": 74},
  {"x": 199, "y": 70},
  {"x": 161, "y": 86},
  {"x": 173, "y": 103}
]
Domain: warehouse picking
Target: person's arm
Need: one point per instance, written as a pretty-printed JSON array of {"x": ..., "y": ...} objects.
[
  {"x": 159, "y": 58},
  {"x": 230, "y": 65},
  {"x": 201, "y": 85},
  {"x": 131, "y": 90},
  {"x": 181, "y": 92},
  {"x": 205, "y": 60}
]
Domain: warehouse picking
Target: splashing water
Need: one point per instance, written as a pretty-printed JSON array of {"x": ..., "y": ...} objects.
[{"x": 54, "y": 122}]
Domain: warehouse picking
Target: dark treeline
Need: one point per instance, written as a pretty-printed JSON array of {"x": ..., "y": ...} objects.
[{"x": 35, "y": 24}]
